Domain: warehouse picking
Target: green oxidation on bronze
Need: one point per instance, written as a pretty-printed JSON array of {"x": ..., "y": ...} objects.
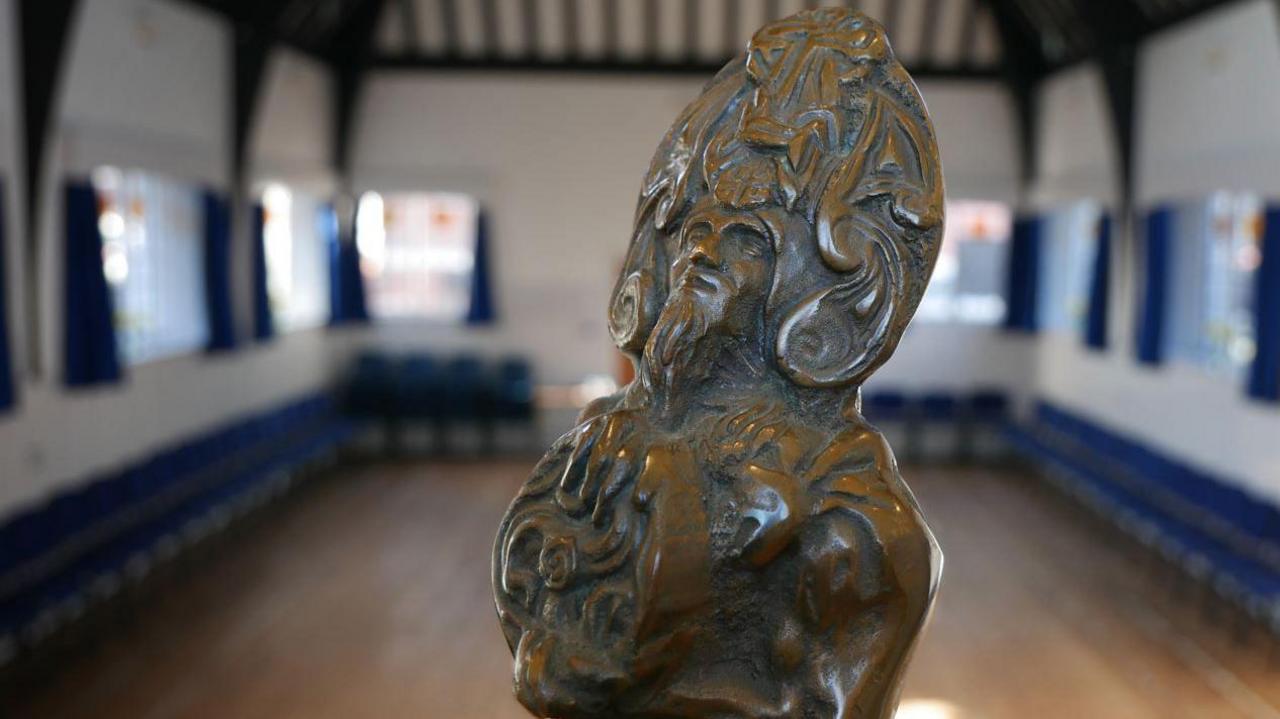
[{"x": 727, "y": 536}]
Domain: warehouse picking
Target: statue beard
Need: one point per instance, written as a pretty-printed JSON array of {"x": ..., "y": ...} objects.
[{"x": 695, "y": 307}]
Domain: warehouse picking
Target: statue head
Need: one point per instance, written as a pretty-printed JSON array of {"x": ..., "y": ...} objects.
[
  {"x": 752, "y": 561},
  {"x": 817, "y": 145}
]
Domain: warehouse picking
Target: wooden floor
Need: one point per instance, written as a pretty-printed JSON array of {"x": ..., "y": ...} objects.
[{"x": 368, "y": 596}]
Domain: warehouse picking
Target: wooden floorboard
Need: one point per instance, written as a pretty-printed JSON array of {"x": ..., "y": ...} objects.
[{"x": 368, "y": 596}]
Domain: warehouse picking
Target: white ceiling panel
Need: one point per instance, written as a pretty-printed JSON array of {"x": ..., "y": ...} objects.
[
  {"x": 875, "y": 8},
  {"x": 591, "y": 33},
  {"x": 986, "y": 50},
  {"x": 908, "y": 39},
  {"x": 512, "y": 41},
  {"x": 722, "y": 27},
  {"x": 631, "y": 28},
  {"x": 711, "y": 45},
  {"x": 550, "y": 17},
  {"x": 671, "y": 30},
  {"x": 391, "y": 33},
  {"x": 951, "y": 29},
  {"x": 750, "y": 18},
  {"x": 789, "y": 7},
  {"x": 471, "y": 39},
  {"x": 430, "y": 26}
]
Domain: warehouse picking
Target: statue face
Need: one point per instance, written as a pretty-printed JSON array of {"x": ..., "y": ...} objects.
[
  {"x": 719, "y": 281},
  {"x": 725, "y": 256}
]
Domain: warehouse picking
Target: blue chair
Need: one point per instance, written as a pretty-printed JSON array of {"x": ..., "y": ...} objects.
[
  {"x": 422, "y": 388},
  {"x": 468, "y": 390},
  {"x": 989, "y": 406},
  {"x": 372, "y": 387},
  {"x": 885, "y": 406},
  {"x": 514, "y": 390},
  {"x": 467, "y": 397}
]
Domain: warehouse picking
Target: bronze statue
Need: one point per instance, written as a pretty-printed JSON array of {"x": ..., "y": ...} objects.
[{"x": 727, "y": 536}]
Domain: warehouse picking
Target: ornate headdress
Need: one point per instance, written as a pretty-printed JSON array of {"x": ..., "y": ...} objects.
[{"x": 820, "y": 119}]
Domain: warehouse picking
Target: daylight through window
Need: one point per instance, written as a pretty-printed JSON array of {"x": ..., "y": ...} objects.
[
  {"x": 417, "y": 252},
  {"x": 968, "y": 280},
  {"x": 1214, "y": 261},
  {"x": 1068, "y": 250},
  {"x": 297, "y": 257},
  {"x": 153, "y": 260}
]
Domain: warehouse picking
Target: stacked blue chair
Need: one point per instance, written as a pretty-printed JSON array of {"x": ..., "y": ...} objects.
[
  {"x": 79, "y": 547},
  {"x": 468, "y": 394},
  {"x": 886, "y": 406},
  {"x": 984, "y": 414},
  {"x": 1212, "y": 530},
  {"x": 422, "y": 385},
  {"x": 940, "y": 411},
  {"x": 371, "y": 390},
  {"x": 989, "y": 406},
  {"x": 514, "y": 390},
  {"x": 461, "y": 391}
]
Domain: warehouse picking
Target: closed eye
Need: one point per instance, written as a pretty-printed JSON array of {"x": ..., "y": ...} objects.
[
  {"x": 695, "y": 233},
  {"x": 752, "y": 240}
]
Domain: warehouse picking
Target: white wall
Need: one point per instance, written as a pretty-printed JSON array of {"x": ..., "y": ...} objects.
[
  {"x": 148, "y": 85},
  {"x": 976, "y": 129},
  {"x": 1209, "y": 106},
  {"x": 1075, "y": 144},
  {"x": 11, "y": 171},
  {"x": 558, "y": 161},
  {"x": 1208, "y": 113},
  {"x": 293, "y": 134}
]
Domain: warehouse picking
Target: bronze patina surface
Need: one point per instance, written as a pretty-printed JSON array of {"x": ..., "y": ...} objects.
[{"x": 727, "y": 536}]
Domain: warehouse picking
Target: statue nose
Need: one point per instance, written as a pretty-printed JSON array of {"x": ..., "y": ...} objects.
[{"x": 706, "y": 250}]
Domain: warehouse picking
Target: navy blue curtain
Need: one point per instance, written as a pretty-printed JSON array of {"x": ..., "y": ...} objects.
[
  {"x": 346, "y": 288},
  {"x": 217, "y": 272},
  {"x": 263, "y": 327},
  {"x": 1264, "y": 376},
  {"x": 332, "y": 235},
  {"x": 1152, "y": 305},
  {"x": 89, "y": 335},
  {"x": 481, "y": 310},
  {"x": 1024, "y": 275},
  {"x": 1095, "y": 329},
  {"x": 7, "y": 397}
]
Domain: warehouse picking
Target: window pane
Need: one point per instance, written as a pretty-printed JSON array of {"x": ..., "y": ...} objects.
[
  {"x": 1068, "y": 250},
  {"x": 968, "y": 280},
  {"x": 153, "y": 259},
  {"x": 417, "y": 251},
  {"x": 297, "y": 258},
  {"x": 1216, "y": 254}
]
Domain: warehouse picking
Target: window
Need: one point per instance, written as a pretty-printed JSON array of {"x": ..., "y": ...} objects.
[
  {"x": 417, "y": 251},
  {"x": 1216, "y": 252},
  {"x": 968, "y": 280},
  {"x": 1069, "y": 246},
  {"x": 153, "y": 259},
  {"x": 296, "y": 251}
]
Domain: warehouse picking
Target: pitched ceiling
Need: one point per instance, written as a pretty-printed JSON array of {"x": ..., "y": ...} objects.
[{"x": 933, "y": 37}]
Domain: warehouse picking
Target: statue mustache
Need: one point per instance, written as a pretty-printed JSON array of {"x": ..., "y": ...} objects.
[{"x": 700, "y": 277}]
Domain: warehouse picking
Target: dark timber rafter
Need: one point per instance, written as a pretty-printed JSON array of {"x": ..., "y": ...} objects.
[
  {"x": 1022, "y": 66},
  {"x": 659, "y": 67},
  {"x": 45, "y": 27},
  {"x": 409, "y": 21},
  {"x": 252, "y": 38},
  {"x": 1114, "y": 25},
  {"x": 352, "y": 50}
]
